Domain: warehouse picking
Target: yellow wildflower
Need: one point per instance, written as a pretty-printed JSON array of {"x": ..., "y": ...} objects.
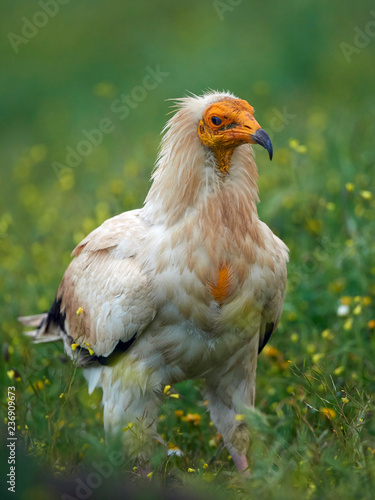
[
  {"x": 328, "y": 413},
  {"x": 357, "y": 310},
  {"x": 194, "y": 418},
  {"x": 346, "y": 301},
  {"x": 79, "y": 311},
  {"x": 310, "y": 348},
  {"x": 349, "y": 186},
  {"x": 74, "y": 347},
  {"x": 271, "y": 351},
  {"x": 366, "y": 195},
  {"x": 339, "y": 370},
  {"x": 294, "y": 144},
  {"x": 39, "y": 385},
  {"x": 172, "y": 446},
  {"x": 348, "y": 325},
  {"x": 327, "y": 334},
  {"x": 317, "y": 357},
  {"x": 129, "y": 426}
]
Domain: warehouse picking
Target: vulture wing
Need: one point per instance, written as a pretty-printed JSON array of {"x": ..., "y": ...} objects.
[
  {"x": 105, "y": 298},
  {"x": 275, "y": 294}
]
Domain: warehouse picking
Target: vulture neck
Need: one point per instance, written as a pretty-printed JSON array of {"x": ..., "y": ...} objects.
[{"x": 190, "y": 189}]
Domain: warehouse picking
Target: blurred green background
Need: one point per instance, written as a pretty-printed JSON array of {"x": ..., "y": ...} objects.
[{"x": 308, "y": 68}]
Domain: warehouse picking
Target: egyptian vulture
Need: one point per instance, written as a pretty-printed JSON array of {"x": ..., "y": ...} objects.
[{"x": 189, "y": 286}]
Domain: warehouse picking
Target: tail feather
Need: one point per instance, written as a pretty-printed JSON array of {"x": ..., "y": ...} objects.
[
  {"x": 31, "y": 333},
  {"x": 35, "y": 320},
  {"x": 46, "y": 338},
  {"x": 39, "y": 335}
]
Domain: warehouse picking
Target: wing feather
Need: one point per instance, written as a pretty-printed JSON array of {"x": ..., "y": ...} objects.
[
  {"x": 113, "y": 232},
  {"x": 109, "y": 287},
  {"x": 275, "y": 291}
]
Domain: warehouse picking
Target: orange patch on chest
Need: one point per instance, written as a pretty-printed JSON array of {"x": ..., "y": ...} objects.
[{"x": 221, "y": 289}]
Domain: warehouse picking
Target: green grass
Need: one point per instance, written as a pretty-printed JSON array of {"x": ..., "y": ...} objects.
[{"x": 313, "y": 431}]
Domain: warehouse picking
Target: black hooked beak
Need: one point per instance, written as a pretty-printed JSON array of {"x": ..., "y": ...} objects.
[{"x": 262, "y": 138}]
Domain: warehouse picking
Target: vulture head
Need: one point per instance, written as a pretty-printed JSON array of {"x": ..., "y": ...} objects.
[
  {"x": 206, "y": 151},
  {"x": 229, "y": 123}
]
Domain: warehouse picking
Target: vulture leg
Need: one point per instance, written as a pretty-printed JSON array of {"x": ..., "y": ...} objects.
[
  {"x": 131, "y": 414},
  {"x": 231, "y": 391}
]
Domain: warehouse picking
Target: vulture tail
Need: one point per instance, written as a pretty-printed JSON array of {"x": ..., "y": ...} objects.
[{"x": 41, "y": 334}]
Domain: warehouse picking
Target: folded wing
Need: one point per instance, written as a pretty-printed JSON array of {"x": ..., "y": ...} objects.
[{"x": 105, "y": 299}]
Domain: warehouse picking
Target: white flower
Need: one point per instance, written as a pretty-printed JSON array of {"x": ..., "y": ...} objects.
[
  {"x": 175, "y": 451},
  {"x": 343, "y": 310}
]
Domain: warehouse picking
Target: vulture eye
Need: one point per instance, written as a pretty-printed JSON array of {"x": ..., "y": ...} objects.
[{"x": 216, "y": 120}]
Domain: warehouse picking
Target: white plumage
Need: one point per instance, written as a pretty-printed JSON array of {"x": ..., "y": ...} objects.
[{"x": 191, "y": 285}]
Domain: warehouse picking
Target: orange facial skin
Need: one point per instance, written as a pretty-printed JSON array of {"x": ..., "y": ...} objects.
[{"x": 228, "y": 124}]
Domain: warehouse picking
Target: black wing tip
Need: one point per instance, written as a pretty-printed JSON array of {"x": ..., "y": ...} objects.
[
  {"x": 121, "y": 348},
  {"x": 55, "y": 315},
  {"x": 267, "y": 335}
]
